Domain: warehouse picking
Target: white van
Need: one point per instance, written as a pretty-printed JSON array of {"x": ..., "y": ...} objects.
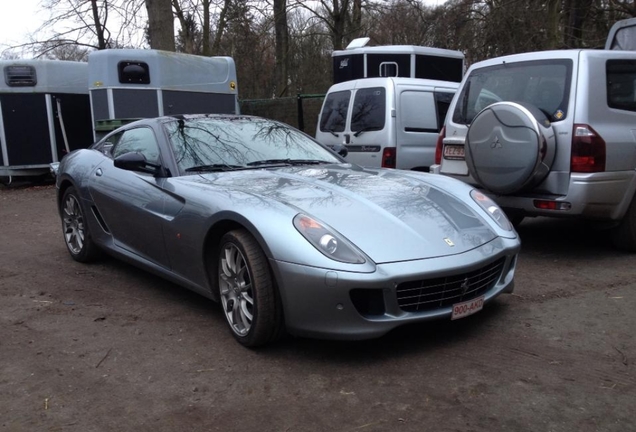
[{"x": 386, "y": 122}]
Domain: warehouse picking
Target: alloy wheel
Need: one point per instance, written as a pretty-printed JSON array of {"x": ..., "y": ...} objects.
[
  {"x": 73, "y": 220},
  {"x": 235, "y": 284}
]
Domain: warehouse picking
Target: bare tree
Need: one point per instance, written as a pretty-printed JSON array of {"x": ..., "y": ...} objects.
[
  {"x": 89, "y": 24},
  {"x": 160, "y": 24},
  {"x": 281, "y": 31}
]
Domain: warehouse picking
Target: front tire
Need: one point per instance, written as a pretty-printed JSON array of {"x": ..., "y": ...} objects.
[
  {"x": 77, "y": 236},
  {"x": 247, "y": 291}
]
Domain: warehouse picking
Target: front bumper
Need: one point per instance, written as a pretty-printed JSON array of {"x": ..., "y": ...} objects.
[{"x": 318, "y": 302}]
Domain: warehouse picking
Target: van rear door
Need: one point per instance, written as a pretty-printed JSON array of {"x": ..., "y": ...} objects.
[
  {"x": 369, "y": 128},
  {"x": 333, "y": 118}
]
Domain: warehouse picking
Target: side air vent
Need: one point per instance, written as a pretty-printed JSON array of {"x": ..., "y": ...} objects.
[{"x": 20, "y": 76}]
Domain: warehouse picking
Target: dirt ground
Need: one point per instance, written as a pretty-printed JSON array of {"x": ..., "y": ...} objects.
[{"x": 106, "y": 347}]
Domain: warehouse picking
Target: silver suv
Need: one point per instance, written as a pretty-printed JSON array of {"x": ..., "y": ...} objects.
[{"x": 549, "y": 134}]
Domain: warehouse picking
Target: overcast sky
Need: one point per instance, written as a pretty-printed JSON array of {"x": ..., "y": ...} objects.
[{"x": 19, "y": 18}]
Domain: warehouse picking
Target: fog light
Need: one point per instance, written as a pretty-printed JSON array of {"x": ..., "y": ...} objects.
[{"x": 552, "y": 205}]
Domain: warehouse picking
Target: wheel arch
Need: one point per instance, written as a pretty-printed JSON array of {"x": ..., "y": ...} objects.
[
  {"x": 223, "y": 223},
  {"x": 64, "y": 184}
]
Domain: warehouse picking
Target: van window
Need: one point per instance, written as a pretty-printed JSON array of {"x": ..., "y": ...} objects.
[
  {"x": 369, "y": 109},
  {"x": 417, "y": 112},
  {"x": 543, "y": 83},
  {"x": 442, "y": 102},
  {"x": 621, "y": 82},
  {"x": 334, "y": 111}
]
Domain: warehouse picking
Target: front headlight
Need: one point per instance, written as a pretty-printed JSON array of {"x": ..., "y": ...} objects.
[
  {"x": 328, "y": 242},
  {"x": 492, "y": 209}
]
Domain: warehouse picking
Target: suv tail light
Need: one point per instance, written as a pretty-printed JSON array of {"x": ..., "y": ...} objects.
[
  {"x": 439, "y": 146},
  {"x": 588, "y": 150},
  {"x": 388, "y": 157}
]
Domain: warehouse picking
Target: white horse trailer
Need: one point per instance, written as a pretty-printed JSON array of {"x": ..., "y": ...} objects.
[
  {"x": 128, "y": 84},
  {"x": 392, "y": 61},
  {"x": 44, "y": 114}
]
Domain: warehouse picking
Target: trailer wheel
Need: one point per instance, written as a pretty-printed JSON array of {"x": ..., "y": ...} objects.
[{"x": 77, "y": 236}]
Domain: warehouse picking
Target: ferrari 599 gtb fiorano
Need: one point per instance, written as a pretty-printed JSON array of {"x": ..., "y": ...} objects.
[{"x": 281, "y": 231}]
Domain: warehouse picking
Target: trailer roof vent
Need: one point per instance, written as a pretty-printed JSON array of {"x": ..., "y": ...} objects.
[
  {"x": 133, "y": 72},
  {"x": 20, "y": 76}
]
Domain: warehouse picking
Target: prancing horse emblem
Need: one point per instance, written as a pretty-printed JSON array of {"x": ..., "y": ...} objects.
[
  {"x": 495, "y": 143},
  {"x": 464, "y": 287}
]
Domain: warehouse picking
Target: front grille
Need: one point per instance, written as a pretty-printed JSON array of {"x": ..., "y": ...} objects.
[{"x": 430, "y": 294}]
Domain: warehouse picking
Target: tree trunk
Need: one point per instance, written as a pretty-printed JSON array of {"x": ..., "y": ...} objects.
[
  {"x": 99, "y": 28},
  {"x": 186, "y": 34},
  {"x": 206, "y": 28},
  {"x": 356, "y": 20},
  {"x": 281, "y": 73},
  {"x": 338, "y": 21},
  {"x": 552, "y": 23},
  {"x": 160, "y": 24},
  {"x": 220, "y": 27}
]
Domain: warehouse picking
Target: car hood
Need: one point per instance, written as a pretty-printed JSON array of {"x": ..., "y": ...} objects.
[{"x": 390, "y": 215}]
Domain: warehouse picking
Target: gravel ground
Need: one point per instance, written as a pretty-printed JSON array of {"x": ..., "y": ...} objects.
[{"x": 107, "y": 347}]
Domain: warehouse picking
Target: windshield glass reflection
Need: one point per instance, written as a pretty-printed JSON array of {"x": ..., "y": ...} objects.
[{"x": 231, "y": 143}]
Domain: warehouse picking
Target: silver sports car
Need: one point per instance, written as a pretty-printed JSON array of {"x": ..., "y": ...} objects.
[{"x": 282, "y": 231}]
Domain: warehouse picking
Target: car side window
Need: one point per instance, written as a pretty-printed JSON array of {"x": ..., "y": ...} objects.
[
  {"x": 107, "y": 145},
  {"x": 621, "y": 84},
  {"x": 140, "y": 140}
]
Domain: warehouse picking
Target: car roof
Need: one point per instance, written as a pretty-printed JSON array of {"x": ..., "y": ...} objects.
[{"x": 553, "y": 55}]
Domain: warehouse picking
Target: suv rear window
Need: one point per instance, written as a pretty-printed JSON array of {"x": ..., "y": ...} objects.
[
  {"x": 369, "y": 109},
  {"x": 334, "y": 112},
  {"x": 621, "y": 84},
  {"x": 543, "y": 83}
]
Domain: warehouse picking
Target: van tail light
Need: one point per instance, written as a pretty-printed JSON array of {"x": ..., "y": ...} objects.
[
  {"x": 588, "y": 150},
  {"x": 439, "y": 146},
  {"x": 388, "y": 157}
]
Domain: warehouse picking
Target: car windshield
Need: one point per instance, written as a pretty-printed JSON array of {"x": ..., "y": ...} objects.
[
  {"x": 226, "y": 143},
  {"x": 543, "y": 83}
]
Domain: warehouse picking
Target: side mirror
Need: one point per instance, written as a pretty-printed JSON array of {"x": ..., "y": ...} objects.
[
  {"x": 340, "y": 149},
  {"x": 134, "y": 161}
]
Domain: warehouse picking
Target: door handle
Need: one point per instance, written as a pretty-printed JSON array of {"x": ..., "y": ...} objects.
[{"x": 99, "y": 172}]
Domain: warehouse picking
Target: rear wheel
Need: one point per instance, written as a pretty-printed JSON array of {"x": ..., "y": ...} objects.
[
  {"x": 77, "y": 236},
  {"x": 624, "y": 235},
  {"x": 247, "y": 291}
]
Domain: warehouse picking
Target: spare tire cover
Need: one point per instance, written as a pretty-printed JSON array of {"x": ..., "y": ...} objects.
[{"x": 510, "y": 147}]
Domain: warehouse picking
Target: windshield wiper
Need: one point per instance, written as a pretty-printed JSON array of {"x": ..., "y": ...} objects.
[
  {"x": 287, "y": 162},
  {"x": 214, "y": 168},
  {"x": 332, "y": 132},
  {"x": 365, "y": 129}
]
